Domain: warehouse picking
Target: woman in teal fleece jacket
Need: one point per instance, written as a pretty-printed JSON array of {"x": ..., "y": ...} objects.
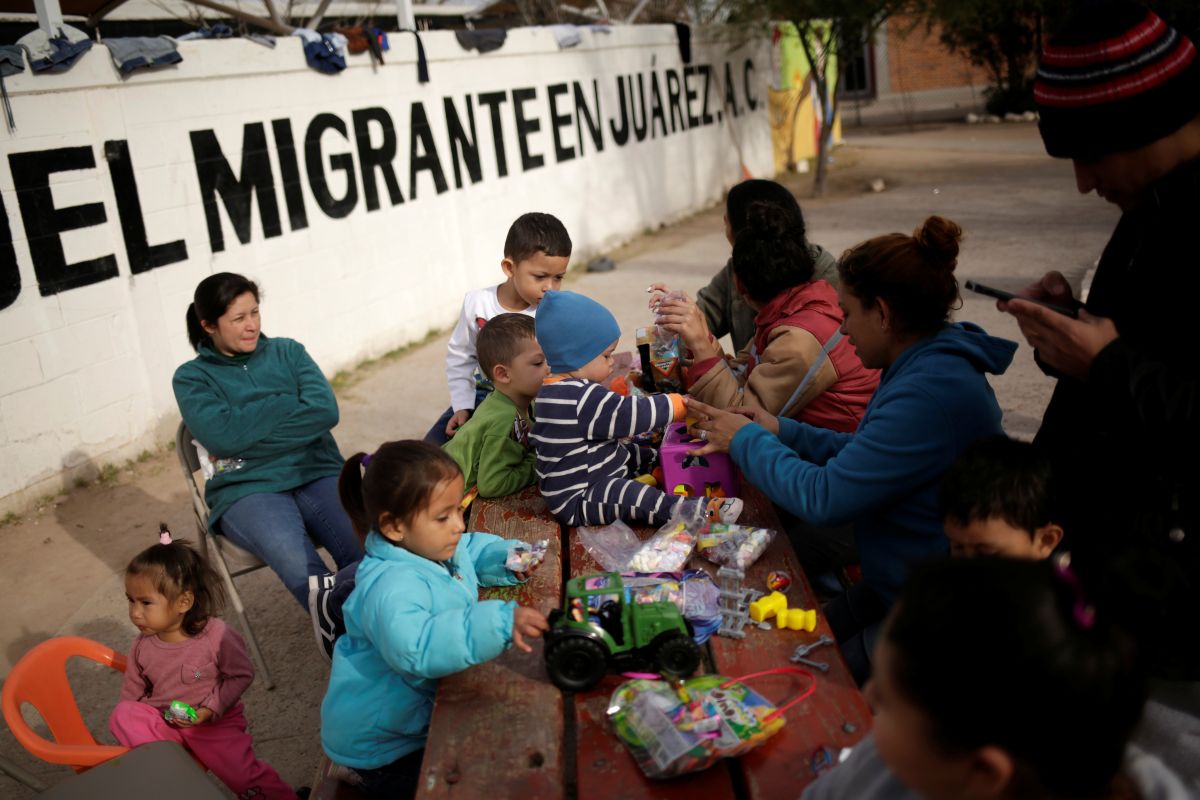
[
  {"x": 263, "y": 411},
  {"x": 415, "y": 613},
  {"x": 933, "y": 400}
]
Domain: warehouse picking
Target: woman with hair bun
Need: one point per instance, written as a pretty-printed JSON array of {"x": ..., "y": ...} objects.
[
  {"x": 797, "y": 364},
  {"x": 933, "y": 400}
]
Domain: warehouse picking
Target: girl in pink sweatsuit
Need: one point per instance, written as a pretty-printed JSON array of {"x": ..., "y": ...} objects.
[{"x": 185, "y": 653}]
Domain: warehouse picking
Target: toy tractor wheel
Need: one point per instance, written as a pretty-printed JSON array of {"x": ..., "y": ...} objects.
[
  {"x": 576, "y": 664},
  {"x": 678, "y": 655}
]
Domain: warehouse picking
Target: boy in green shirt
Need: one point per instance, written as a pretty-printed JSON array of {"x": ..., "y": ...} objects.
[{"x": 493, "y": 448}]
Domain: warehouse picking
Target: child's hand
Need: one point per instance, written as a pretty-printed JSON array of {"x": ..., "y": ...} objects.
[
  {"x": 526, "y": 573},
  {"x": 203, "y": 715},
  {"x": 457, "y": 421},
  {"x": 528, "y": 623}
]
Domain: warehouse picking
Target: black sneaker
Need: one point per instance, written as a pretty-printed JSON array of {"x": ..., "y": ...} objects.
[{"x": 325, "y": 628}]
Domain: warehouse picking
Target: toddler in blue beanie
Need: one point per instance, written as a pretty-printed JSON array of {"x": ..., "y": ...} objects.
[{"x": 585, "y": 470}]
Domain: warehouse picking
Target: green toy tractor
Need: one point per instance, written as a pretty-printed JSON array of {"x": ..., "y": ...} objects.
[{"x": 599, "y": 626}]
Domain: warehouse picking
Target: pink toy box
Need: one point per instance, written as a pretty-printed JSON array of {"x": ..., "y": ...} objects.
[{"x": 713, "y": 475}]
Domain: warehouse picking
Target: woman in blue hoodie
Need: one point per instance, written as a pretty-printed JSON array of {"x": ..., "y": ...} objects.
[
  {"x": 933, "y": 400},
  {"x": 263, "y": 411}
]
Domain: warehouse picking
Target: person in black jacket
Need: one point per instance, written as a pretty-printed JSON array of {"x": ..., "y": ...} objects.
[{"x": 1118, "y": 92}]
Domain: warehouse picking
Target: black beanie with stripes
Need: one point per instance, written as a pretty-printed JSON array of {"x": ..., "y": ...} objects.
[{"x": 1115, "y": 78}]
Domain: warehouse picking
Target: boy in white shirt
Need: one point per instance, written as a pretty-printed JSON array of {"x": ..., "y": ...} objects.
[{"x": 536, "y": 252}]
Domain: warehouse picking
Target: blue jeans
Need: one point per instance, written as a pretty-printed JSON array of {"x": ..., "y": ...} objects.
[{"x": 280, "y": 527}]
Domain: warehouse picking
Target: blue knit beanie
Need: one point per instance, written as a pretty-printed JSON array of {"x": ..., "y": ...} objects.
[{"x": 573, "y": 329}]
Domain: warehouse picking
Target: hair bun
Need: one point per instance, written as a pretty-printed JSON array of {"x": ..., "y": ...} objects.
[{"x": 938, "y": 239}]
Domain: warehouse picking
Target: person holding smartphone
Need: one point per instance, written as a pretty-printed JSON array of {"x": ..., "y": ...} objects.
[{"x": 1118, "y": 91}]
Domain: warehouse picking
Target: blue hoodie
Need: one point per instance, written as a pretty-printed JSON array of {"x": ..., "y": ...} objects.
[
  {"x": 931, "y": 403},
  {"x": 409, "y": 621}
]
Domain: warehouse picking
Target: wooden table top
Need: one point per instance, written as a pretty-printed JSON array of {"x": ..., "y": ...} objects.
[{"x": 501, "y": 728}]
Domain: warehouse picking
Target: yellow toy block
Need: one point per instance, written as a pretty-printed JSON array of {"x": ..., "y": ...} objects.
[
  {"x": 649, "y": 480},
  {"x": 767, "y": 607},
  {"x": 798, "y": 619}
]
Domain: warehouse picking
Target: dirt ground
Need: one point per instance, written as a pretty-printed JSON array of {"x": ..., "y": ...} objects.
[{"x": 61, "y": 575}]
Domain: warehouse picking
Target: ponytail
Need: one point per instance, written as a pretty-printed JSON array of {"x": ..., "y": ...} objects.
[{"x": 350, "y": 492}]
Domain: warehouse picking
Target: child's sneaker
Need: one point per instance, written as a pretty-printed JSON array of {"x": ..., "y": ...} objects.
[
  {"x": 723, "y": 509},
  {"x": 325, "y": 627}
]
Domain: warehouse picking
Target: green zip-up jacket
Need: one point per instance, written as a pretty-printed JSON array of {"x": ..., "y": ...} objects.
[
  {"x": 273, "y": 410},
  {"x": 488, "y": 451}
]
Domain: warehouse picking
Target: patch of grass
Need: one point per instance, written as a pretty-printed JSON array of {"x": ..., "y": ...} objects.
[
  {"x": 146, "y": 455},
  {"x": 11, "y": 518},
  {"x": 108, "y": 475},
  {"x": 345, "y": 379},
  {"x": 81, "y": 482}
]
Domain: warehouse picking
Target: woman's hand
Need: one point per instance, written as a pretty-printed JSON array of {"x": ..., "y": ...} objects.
[
  {"x": 717, "y": 428},
  {"x": 528, "y": 623},
  {"x": 679, "y": 314}
]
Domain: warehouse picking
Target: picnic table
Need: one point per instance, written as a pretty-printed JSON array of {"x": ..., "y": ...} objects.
[{"x": 502, "y": 728}]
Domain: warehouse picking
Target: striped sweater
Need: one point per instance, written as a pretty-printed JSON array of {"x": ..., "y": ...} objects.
[{"x": 578, "y": 430}]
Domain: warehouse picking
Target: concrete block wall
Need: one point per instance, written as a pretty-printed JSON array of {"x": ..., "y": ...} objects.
[{"x": 120, "y": 194}]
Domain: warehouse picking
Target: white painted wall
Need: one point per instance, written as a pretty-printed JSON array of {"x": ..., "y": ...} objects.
[{"x": 85, "y": 373}]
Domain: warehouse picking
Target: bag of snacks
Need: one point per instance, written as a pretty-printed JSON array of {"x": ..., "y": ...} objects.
[
  {"x": 675, "y": 728},
  {"x": 736, "y": 546}
]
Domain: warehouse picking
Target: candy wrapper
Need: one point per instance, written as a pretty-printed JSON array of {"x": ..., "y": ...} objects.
[
  {"x": 523, "y": 557},
  {"x": 179, "y": 711},
  {"x": 736, "y": 546},
  {"x": 611, "y": 545}
]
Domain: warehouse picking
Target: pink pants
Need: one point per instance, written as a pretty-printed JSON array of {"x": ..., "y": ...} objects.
[{"x": 222, "y": 745}]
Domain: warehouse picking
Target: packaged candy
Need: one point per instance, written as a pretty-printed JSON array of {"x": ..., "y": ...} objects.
[
  {"x": 736, "y": 546},
  {"x": 693, "y": 591},
  {"x": 179, "y": 711},
  {"x": 778, "y": 581},
  {"x": 523, "y": 556},
  {"x": 660, "y": 350},
  {"x": 666, "y": 551},
  {"x": 675, "y": 729}
]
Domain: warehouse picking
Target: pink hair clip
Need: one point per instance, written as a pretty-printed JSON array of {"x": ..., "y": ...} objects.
[
  {"x": 1084, "y": 614},
  {"x": 164, "y": 535}
]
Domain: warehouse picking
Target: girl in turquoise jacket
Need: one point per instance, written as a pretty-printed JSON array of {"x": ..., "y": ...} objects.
[
  {"x": 414, "y": 615},
  {"x": 932, "y": 402},
  {"x": 262, "y": 411}
]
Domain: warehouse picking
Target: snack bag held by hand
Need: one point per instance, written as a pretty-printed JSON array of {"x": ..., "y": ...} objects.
[
  {"x": 675, "y": 729},
  {"x": 523, "y": 556},
  {"x": 660, "y": 353}
]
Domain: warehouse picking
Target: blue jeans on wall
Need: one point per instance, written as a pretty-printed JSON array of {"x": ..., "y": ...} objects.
[{"x": 279, "y": 528}]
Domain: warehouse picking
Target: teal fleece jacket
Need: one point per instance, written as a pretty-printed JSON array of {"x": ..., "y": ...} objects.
[
  {"x": 410, "y": 621},
  {"x": 931, "y": 403},
  {"x": 274, "y": 410}
]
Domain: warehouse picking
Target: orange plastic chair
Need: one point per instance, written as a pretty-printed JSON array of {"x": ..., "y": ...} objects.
[{"x": 40, "y": 679}]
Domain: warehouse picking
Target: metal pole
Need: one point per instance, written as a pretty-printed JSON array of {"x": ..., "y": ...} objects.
[{"x": 49, "y": 15}]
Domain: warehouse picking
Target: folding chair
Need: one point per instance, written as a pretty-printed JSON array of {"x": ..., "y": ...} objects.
[
  {"x": 218, "y": 547},
  {"x": 40, "y": 679}
]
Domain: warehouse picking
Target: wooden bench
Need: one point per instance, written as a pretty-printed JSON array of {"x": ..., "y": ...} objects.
[{"x": 502, "y": 729}]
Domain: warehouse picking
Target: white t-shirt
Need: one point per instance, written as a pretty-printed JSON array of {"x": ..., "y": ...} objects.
[{"x": 462, "y": 361}]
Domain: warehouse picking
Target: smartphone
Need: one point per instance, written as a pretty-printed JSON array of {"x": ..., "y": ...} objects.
[{"x": 1000, "y": 294}]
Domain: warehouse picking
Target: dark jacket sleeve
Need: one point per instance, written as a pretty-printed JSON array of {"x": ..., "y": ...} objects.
[
  {"x": 1165, "y": 396},
  {"x": 716, "y": 301}
]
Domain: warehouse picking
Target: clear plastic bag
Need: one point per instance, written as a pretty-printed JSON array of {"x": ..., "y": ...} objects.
[
  {"x": 612, "y": 545},
  {"x": 668, "y": 549},
  {"x": 693, "y": 591},
  {"x": 736, "y": 546}
]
